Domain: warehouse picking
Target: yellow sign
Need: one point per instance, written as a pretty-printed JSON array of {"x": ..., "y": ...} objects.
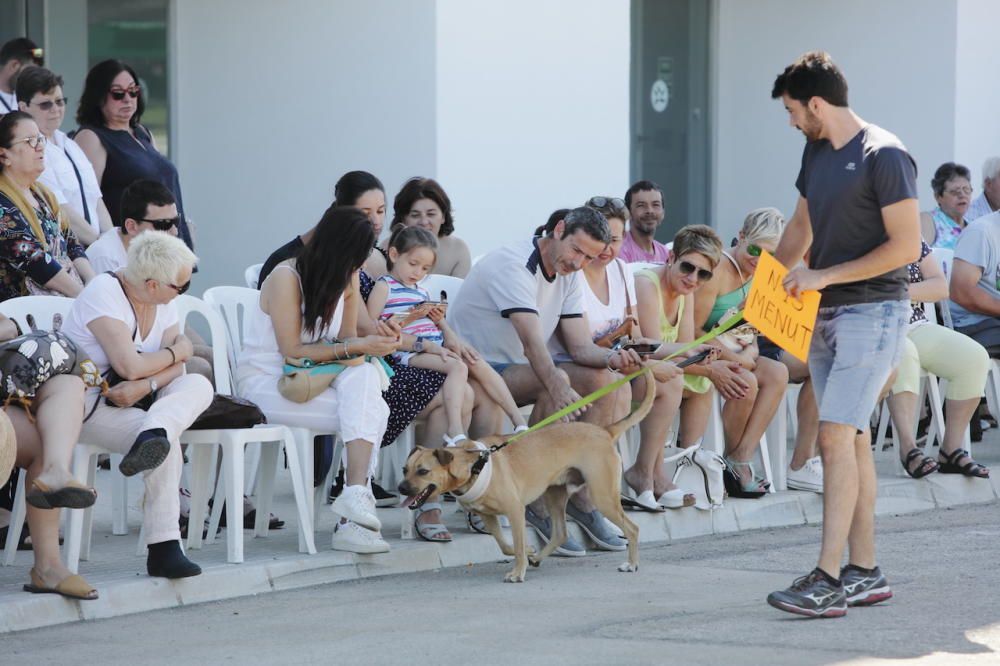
[{"x": 787, "y": 322}]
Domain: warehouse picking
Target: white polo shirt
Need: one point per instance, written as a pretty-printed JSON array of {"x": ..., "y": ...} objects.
[
  {"x": 8, "y": 102},
  {"x": 61, "y": 153},
  {"x": 504, "y": 282},
  {"x": 108, "y": 253}
]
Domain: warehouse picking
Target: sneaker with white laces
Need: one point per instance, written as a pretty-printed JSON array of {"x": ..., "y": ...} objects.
[
  {"x": 357, "y": 504},
  {"x": 353, "y": 538},
  {"x": 808, "y": 477}
]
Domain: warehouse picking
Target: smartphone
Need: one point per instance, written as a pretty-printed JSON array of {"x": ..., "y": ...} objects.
[
  {"x": 697, "y": 358},
  {"x": 642, "y": 348}
]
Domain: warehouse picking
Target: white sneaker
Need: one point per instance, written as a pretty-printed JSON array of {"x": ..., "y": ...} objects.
[
  {"x": 357, "y": 504},
  {"x": 353, "y": 538},
  {"x": 808, "y": 477}
]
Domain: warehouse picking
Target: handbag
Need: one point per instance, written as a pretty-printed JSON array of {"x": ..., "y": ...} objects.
[
  {"x": 699, "y": 472},
  {"x": 228, "y": 411},
  {"x": 304, "y": 379},
  {"x": 739, "y": 337},
  {"x": 624, "y": 330}
]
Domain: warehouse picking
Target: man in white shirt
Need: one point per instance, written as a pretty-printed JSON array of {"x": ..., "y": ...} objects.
[
  {"x": 68, "y": 172},
  {"x": 14, "y": 55},
  {"x": 989, "y": 200},
  {"x": 511, "y": 303},
  {"x": 146, "y": 204}
]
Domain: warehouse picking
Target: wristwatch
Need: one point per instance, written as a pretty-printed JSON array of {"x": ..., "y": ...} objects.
[
  {"x": 152, "y": 385},
  {"x": 418, "y": 346}
]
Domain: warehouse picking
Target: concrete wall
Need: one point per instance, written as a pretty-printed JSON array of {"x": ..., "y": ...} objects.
[
  {"x": 977, "y": 131},
  {"x": 532, "y": 109},
  {"x": 274, "y": 101},
  {"x": 899, "y": 57}
]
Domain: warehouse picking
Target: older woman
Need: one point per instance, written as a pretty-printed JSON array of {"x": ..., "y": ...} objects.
[
  {"x": 422, "y": 202},
  {"x": 44, "y": 449},
  {"x": 953, "y": 192},
  {"x": 308, "y": 307},
  {"x": 745, "y": 420},
  {"x": 127, "y": 323},
  {"x": 68, "y": 172},
  {"x": 38, "y": 254},
  {"x": 114, "y": 140}
]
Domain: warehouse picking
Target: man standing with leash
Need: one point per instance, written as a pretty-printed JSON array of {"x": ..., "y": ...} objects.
[{"x": 857, "y": 221}]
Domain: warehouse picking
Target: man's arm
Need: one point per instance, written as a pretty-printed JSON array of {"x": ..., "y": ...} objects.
[
  {"x": 796, "y": 239},
  {"x": 965, "y": 289},
  {"x": 902, "y": 226}
]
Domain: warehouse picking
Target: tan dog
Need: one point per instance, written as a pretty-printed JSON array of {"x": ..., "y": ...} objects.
[{"x": 553, "y": 462}]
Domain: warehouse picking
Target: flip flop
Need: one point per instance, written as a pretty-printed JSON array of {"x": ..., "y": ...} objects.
[
  {"x": 74, "y": 495},
  {"x": 71, "y": 587},
  {"x": 644, "y": 501},
  {"x": 676, "y": 499}
]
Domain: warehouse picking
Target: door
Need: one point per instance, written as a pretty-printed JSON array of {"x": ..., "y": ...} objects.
[{"x": 670, "y": 107}]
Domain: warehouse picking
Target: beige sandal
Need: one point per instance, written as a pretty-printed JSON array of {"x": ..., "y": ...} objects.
[{"x": 71, "y": 587}]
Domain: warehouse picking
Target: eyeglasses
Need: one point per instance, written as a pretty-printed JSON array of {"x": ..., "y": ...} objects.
[
  {"x": 614, "y": 203},
  {"x": 164, "y": 224},
  {"x": 959, "y": 191},
  {"x": 119, "y": 95},
  {"x": 181, "y": 289},
  {"x": 49, "y": 103},
  {"x": 686, "y": 268},
  {"x": 34, "y": 142},
  {"x": 754, "y": 250}
]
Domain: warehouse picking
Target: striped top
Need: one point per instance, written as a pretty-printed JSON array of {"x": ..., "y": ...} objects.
[{"x": 402, "y": 299}]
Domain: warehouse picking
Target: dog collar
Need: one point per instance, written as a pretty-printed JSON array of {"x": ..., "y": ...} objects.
[{"x": 483, "y": 471}]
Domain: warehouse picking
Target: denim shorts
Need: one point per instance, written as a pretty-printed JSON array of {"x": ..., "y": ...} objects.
[{"x": 854, "y": 350}]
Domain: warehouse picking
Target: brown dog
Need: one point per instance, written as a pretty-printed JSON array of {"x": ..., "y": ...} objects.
[{"x": 553, "y": 462}]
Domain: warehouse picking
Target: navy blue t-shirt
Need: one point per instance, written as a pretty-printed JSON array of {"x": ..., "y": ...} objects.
[{"x": 846, "y": 190}]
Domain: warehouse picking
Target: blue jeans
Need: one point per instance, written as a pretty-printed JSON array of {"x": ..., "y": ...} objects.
[{"x": 854, "y": 350}]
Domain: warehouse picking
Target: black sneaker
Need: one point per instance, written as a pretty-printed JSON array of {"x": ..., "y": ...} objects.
[
  {"x": 383, "y": 498},
  {"x": 864, "y": 588},
  {"x": 812, "y": 595}
]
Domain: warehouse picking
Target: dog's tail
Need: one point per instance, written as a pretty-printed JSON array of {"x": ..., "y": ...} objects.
[{"x": 618, "y": 427}]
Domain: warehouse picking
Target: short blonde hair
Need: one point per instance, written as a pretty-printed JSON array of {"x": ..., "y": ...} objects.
[
  {"x": 156, "y": 255},
  {"x": 701, "y": 239},
  {"x": 763, "y": 224}
]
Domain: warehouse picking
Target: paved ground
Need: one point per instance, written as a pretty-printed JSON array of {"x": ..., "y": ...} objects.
[{"x": 698, "y": 601}]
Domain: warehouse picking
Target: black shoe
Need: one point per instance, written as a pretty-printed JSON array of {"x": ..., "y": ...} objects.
[
  {"x": 338, "y": 485},
  {"x": 148, "y": 452},
  {"x": 166, "y": 560},
  {"x": 864, "y": 588},
  {"x": 383, "y": 498},
  {"x": 812, "y": 595}
]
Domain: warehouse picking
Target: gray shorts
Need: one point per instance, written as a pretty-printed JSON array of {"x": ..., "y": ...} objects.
[{"x": 854, "y": 350}]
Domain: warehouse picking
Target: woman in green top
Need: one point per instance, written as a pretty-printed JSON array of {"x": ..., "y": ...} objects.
[{"x": 745, "y": 420}]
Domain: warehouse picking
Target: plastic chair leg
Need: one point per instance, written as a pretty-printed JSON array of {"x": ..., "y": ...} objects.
[
  {"x": 88, "y": 516},
  {"x": 303, "y": 498},
  {"x": 232, "y": 460},
  {"x": 201, "y": 456},
  {"x": 119, "y": 498},
  {"x": 267, "y": 467}
]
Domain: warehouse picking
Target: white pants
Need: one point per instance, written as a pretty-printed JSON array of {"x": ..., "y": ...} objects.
[
  {"x": 177, "y": 406},
  {"x": 352, "y": 407}
]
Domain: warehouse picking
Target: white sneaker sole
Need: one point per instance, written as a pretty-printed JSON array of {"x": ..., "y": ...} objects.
[
  {"x": 363, "y": 518},
  {"x": 802, "y": 485},
  {"x": 361, "y": 549}
]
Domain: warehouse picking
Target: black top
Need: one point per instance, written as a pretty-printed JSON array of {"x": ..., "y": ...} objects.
[
  {"x": 286, "y": 251},
  {"x": 131, "y": 159},
  {"x": 846, "y": 190}
]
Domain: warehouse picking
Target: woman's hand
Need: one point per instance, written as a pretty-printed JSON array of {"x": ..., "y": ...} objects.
[
  {"x": 443, "y": 352},
  {"x": 725, "y": 376},
  {"x": 463, "y": 350},
  {"x": 387, "y": 328},
  {"x": 373, "y": 345},
  {"x": 182, "y": 347},
  {"x": 126, "y": 394}
]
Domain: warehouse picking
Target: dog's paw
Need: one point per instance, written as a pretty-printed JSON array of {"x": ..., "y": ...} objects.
[
  {"x": 513, "y": 577},
  {"x": 533, "y": 560},
  {"x": 628, "y": 567}
]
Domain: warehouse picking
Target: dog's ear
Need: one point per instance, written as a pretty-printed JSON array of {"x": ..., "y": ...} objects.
[
  {"x": 443, "y": 456},
  {"x": 416, "y": 449}
]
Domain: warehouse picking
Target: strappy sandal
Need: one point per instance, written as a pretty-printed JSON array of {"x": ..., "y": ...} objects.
[
  {"x": 71, "y": 587},
  {"x": 922, "y": 469},
  {"x": 644, "y": 501},
  {"x": 434, "y": 532},
  {"x": 74, "y": 495},
  {"x": 755, "y": 488},
  {"x": 475, "y": 522},
  {"x": 971, "y": 468}
]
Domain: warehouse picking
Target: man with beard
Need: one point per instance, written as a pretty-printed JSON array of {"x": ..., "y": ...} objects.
[
  {"x": 645, "y": 206},
  {"x": 857, "y": 220}
]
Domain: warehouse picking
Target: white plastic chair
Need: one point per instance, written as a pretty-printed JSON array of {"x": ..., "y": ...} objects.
[
  {"x": 202, "y": 451},
  {"x": 715, "y": 433},
  {"x": 252, "y": 274},
  {"x": 435, "y": 284}
]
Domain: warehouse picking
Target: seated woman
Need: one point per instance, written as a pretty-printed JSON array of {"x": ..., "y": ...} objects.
[
  {"x": 668, "y": 297},
  {"x": 308, "y": 308},
  {"x": 44, "y": 449},
  {"x": 953, "y": 192},
  {"x": 744, "y": 421},
  {"x": 127, "y": 323},
  {"x": 949, "y": 355},
  {"x": 423, "y": 203},
  {"x": 39, "y": 254},
  {"x": 610, "y": 306}
]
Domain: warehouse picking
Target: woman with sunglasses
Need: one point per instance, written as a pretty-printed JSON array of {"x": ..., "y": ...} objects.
[
  {"x": 128, "y": 324},
  {"x": 746, "y": 414},
  {"x": 117, "y": 144},
  {"x": 422, "y": 202},
  {"x": 68, "y": 172},
  {"x": 39, "y": 253}
]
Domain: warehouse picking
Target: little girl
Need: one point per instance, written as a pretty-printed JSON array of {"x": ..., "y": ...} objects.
[{"x": 412, "y": 253}]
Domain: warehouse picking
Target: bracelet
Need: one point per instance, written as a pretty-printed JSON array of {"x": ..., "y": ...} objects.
[
  {"x": 173, "y": 356},
  {"x": 347, "y": 349}
]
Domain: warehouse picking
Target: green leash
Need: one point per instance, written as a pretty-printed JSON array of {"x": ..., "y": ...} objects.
[{"x": 719, "y": 329}]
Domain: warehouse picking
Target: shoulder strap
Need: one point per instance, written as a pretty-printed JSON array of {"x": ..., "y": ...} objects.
[
  {"x": 79, "y": 181},
  {"x": 135, "y": 315}
]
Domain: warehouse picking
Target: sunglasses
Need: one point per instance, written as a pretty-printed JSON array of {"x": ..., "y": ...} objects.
[
  {"x": 49, "y": 103},
  {"x": 181, "y": 289},
  {"x": 162, "y": 225},
  {"x": 613, "y": 203},
  {"x": 754, "y": 250},
  {"x": 686, "y": 268},
  {"x": 34, "y": 142},
  {"x": 119, "y": 95}
]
